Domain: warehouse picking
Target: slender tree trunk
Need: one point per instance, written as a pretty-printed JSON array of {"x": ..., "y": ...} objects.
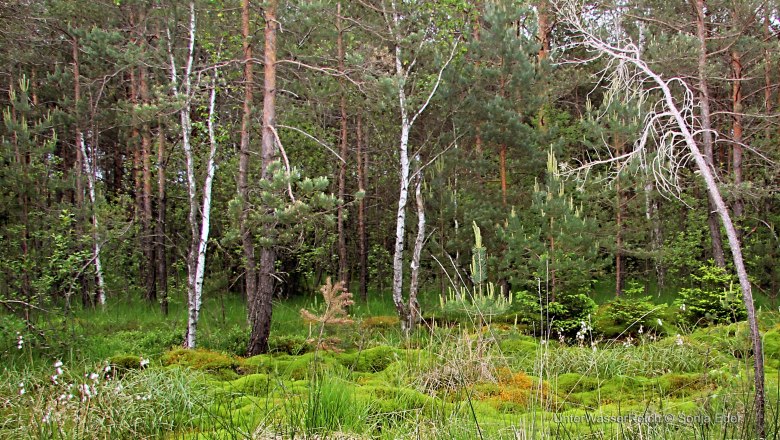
[
  {"x": 502, "y": 172},
  {"x": 247, "y": 239},
  {"x": 260, "y": 322},
  {"x": 196, "y": 226},
  {"x": 656, "y": 234},
  {"x": 544, "y": 29},
  {"x": 400, "y": 221},
  {"x": 147, "y": 234},
  {"x": 620, "y": 271},
  {"x": 86, "y": 299},
  {"x": 205, "y": 222},
  {"x": 419, "y": 242},
  {"x": 736, "y": 132},
  {"x": 362, "y": 237},
  {"x": 706, "y": 121},
  {"x": 101, "y": 292},
  {"x": 162, "y": 261},
  {"x": 342, "y": 239}
]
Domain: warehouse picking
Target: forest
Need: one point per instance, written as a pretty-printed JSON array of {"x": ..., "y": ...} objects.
[{"x": 384, "y": 219}]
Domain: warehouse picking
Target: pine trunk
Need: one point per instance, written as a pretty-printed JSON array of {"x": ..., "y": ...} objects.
[
  {"x": 342, "y": 239},
  {"x": 162, "y": 261},
  {"x": 247, "y": 239},
  {"x": 147, "y": 234},
  {"x": 261, "y": 307},
  {"x": 706, "y": 121},
  {"x": 736, "y": 132},
  {"x": 362, "y": 237}
]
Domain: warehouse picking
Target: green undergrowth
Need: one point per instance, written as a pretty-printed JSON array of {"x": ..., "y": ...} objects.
[{"x": 443, "y": 381}]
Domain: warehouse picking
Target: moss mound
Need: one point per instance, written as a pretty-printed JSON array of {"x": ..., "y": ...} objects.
[
  {"x": 371, "y": 360},
  {"x": 222, "y": 365}
]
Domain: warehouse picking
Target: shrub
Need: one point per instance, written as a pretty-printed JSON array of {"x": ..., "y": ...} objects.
[
  {"x": 713, "y": 299},
  {"x": 564, "y": 315},
  {"x": 628, "y": 317}
]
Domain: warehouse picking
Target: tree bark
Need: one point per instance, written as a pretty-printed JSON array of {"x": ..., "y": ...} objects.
[
  {"x": 544, "y": 30},
  {"x": 247, "y": 239},
  {"x": 419, "y": 242},
  {"x": 162, "y": 261},
  {"x": 90, "y": 171},
  {"x": 260, "y": 322},
  {"x": 147, "y": 233},
  {"x": 502, "y": 172},
  {"x": 362, "y": 237},
  {"x": 706, "y": 122},
  {"x": 736, "y": 132},
  {"x": 342, "y": 239}
]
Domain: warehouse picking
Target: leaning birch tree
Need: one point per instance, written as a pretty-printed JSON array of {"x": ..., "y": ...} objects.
[
  {"x": 199, "y": 213},
  {"x": 394, "y": 18},
  {"x": 673, "y": 123}
]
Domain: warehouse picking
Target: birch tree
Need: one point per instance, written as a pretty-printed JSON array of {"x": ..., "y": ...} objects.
[
  {"x": 199, "y": 214},
  {"x": 673, "y": 123},
  {"x": 394, "y": 19}
]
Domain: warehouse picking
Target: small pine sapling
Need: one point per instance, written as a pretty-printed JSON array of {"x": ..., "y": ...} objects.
[{"x": 337, "y": 299}]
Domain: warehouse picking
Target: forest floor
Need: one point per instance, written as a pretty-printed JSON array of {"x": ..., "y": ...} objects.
[{"x": 117, "y": 373}]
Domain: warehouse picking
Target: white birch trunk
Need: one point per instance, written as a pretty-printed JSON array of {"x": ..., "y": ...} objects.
[
  {"x": 402, "y": 75},
  {"x": 414, "y": 282},
  {"x": 101, "y": 287},
  {"x": 403, "y": 196},
  {"x": 196, "y": 295}
]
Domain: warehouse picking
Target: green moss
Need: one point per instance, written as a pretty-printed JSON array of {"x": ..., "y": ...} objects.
[
  {"x": 125, "y": 362},
  {"x": 575, "y": 383},
  {"x": 254, "y": 384},
  {"x": 680, "y": 385},
  {"x": 371, "y": 360},
  {"x": 515, "y": 346},
  {"x": 772, "y": 344},
  {"x": 220, "y": 365}
]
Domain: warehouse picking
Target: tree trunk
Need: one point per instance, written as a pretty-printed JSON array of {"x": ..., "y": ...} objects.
[
  {"x": 620, "y": 274},
  {"x": 656, "y": 233},
  {"x": 147, "y": 234},
  {"x": 247, "y": 239},
  {"x": 736, "y": 132},
  {"x": 706, "y": 122},
  {"x": 419, "y": 242},
  {"x": 342, "y": 239},
  {"x": 362, "y": 237},
  {"x": 261, "y": 308},
  {"x": 162, "y": 261},
  {"x": 544, "y": 30},
  {"x": 502, "y": 172},
  {"x": 400, "y": 224},
  {"x": 90, "y": 170}
]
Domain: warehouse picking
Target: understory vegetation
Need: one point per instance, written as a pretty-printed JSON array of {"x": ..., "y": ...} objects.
[{"x": 121, "y": 373}]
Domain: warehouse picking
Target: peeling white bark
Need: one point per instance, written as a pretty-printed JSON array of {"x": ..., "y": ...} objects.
[{"x": 101, "y": 287}]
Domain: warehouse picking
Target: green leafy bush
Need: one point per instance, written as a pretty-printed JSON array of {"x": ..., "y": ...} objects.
[{"x": 715, "y": 298}]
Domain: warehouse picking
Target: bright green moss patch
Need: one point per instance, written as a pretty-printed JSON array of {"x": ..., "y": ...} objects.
[
  {"x": 370, "y": 360},
  {"x": 220, "y": 365},
  {"x": 575, "y": 383},
  {"x": 255, "y": 384}
]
